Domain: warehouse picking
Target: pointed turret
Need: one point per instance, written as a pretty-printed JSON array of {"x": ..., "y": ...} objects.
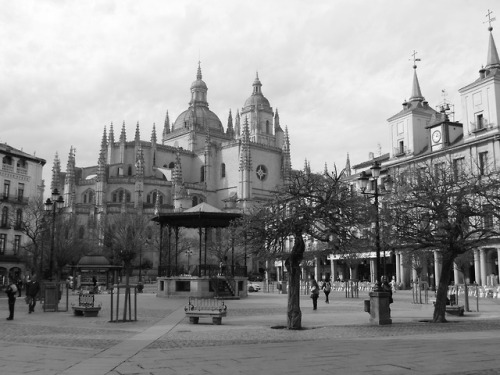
[
  {"x": 104, "y": 146},
  {"x": 347, "y": 169},
  {"x": 166, "y": 128},
  {"x": 56, "y": 174},
  {"x": 230, "y": 129},
  {"x": 137, "y": 134},
  {"x": 139, "y": 179},
  {"x": 237, "y": 120},
  {"x": 123, "y": 134},
  {"x": 111, "y": 137},
  {"x": 245, "y": 158},
  {"x": 416, "y": 93},
  {"x": 69, "y": 183},
  {"x": 153, "y": 135},
  {"x": 277, "y": 126},
  {"x": 492, "y": 61},
  {"x": 287, "y": 161}
]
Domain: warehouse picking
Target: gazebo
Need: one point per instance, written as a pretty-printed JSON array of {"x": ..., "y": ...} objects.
[{"x": 208, "y": 280}]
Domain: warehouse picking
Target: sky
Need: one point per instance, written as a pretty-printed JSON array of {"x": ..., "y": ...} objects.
[{"x": 336, "y": 70}]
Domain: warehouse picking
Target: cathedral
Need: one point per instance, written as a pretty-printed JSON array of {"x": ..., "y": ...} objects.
[{"x": 193, "y": 160}]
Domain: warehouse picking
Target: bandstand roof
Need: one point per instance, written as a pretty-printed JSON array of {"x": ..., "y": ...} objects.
[{"x": 202, "y": 215}]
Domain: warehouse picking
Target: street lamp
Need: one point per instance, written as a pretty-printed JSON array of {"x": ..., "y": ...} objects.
[
  {"x": 364, "y": 179},
  {"x": 53, "y": 205}
]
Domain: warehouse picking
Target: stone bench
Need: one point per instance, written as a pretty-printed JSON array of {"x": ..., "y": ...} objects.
[
  {"x": 205, "y": 307},
  {"x": 86, "y": 306},
  {"x": 453, "y": 309}
]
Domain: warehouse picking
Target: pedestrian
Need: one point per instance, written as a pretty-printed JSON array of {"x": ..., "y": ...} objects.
[
  {"x": 19, "y": 285},
  {"x": 11, "y": 294},
  {"x": 32, "y": 290},
  {"x": 314, "y": 292},
  {"x": 386, "y": 287},
  {"x": 327, "y": 288}
]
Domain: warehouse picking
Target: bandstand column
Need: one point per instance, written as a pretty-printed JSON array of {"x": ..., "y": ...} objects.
[
  {"x": 398, "y": 267},
  {"x": 482, "y": 260},
  {"x": 316, "y": 268},
  {"x": 498, "y": 265},
  {"x": 456, "y": 274}
]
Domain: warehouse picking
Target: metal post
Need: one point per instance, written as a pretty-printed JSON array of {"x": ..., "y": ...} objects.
[
  {"x": 160, "y": 250},
  {"x": 377, "y": 238}
]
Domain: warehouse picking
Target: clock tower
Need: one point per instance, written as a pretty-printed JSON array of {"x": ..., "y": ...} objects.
[{"x": 443, "y": 132}]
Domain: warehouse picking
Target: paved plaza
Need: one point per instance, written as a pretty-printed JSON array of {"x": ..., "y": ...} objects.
[{"x": 336, "y": 339}]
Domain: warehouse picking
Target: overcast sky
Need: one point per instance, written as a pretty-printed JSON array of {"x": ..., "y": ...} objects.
[{"x": 335, "y": 69}]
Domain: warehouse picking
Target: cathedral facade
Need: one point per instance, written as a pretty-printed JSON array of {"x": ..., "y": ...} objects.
[{"x": 193, "y": 159}]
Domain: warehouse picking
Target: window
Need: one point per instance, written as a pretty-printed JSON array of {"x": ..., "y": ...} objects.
[
  {"x": 20, "y": 191},
  {"x": 17, "y": 243},
  {"x": 171, "y": 165},
  {"x": 19, "y": 218},
  {"x": 439, "y": 171},
  {"x": 89, "y": 197},
  {"x": 3, "y": 242},
  {"x": 223, "y": 170},
  {"x": 202, "y": 174},
  {"x": 488, "y": 217},
  {"x": 151, "y": 198},
  {"x": 268, "y": 131},
  {"x": 6, "y": 189},
  {"x": 479, "y": 122},
  {"x": 7, "y": 160},
  {"x": 401, "y": 147},
  {"x": 5, "y": 217},
  {"x": 458, "y": 168},
  {"x": 483, "y": 163},
  {"x": 130, "y": 170},
  {"x": 121, "y": 196}
]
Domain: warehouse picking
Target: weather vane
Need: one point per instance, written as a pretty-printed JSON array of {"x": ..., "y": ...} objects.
[
  {"x": 490, "y": 19},
  {"x": 414, "y": 57}
]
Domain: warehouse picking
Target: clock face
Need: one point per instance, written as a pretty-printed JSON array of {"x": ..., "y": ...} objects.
[{"x": 436, "y": 136}]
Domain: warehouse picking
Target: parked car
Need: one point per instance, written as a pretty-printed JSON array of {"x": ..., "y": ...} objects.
[{"x": 253, "y": 287}]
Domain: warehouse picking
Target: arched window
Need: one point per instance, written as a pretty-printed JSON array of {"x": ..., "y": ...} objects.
[
  {"x": 152, "y": 196},
  {"x": 19, "y": 218},
  {"x": 268, "y": 131},
  {"x": 130, "y": 170},
  {"x": 223, "y": 170},
  {"x": 121, "y": 196},
  {"x": 88, "y": 196},
  {"x": 5, "y": 216},
  {"x": 202, "y": 174},
  {"x": 171, "y": 165}
]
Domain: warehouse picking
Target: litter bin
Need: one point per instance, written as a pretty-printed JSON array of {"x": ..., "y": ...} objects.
[
  {"x": 367, "y": 305},
  {"x": 51, "y": 297}
]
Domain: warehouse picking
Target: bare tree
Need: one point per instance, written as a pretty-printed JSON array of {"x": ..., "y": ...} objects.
[
  {"x": 320, "y": 207},
  {"x": 440, "y": 207}
]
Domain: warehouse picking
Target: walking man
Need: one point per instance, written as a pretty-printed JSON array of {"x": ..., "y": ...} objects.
[
  {"x": 327, "y": 287},
  {"x": 32, "y": 290}
]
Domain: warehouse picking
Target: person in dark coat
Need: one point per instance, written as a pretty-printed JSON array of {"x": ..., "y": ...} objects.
[
  {"x": 32, "y": 290},
  {"x": 11, "y": 294},
  {"x": 314, "y": 292}
]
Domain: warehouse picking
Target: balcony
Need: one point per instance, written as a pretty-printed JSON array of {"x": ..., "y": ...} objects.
[{"x": 480, "y": 126}]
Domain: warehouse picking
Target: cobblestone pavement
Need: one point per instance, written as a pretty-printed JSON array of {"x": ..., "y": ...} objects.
[{"x": 336, "y": 338}]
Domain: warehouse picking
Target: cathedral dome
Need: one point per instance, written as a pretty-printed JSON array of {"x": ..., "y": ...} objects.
[
  {"x": 257, "y": 98},
  {"x": 200, "y": 116}
]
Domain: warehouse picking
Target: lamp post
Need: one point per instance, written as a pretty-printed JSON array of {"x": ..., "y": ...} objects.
[
  {"x": 53, "y": 205},
  {"x": 380, "y": 312}
]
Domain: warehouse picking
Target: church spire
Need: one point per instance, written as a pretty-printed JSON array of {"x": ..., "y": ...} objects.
[
  {"x": 416, "y": 94},
  {"x": 237, "y": 129},
  {"x": 347, "y": 170},
  {"x": 492, "y": 60},
  {"x": 287, "y": 161},
  {"x": 123, "y": 134},
  {"x": 166, "y": 128},
  {"x": 230, "y": 129},
  {"x": 56, "y": 174},
  {"x": 111, "y": 138},
  {"x": 153, "y": 135},
  {"x": 137, "y": 134}
]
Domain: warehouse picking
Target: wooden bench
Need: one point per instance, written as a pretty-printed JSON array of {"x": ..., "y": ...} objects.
[
  {"x": 86, "y": 306},
  {"x": 205, "y": 307}
]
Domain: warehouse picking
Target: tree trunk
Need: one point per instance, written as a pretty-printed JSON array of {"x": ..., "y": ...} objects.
[
  {"x": 439, "y": 315},
  {"x": 294, "y": 315}
]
